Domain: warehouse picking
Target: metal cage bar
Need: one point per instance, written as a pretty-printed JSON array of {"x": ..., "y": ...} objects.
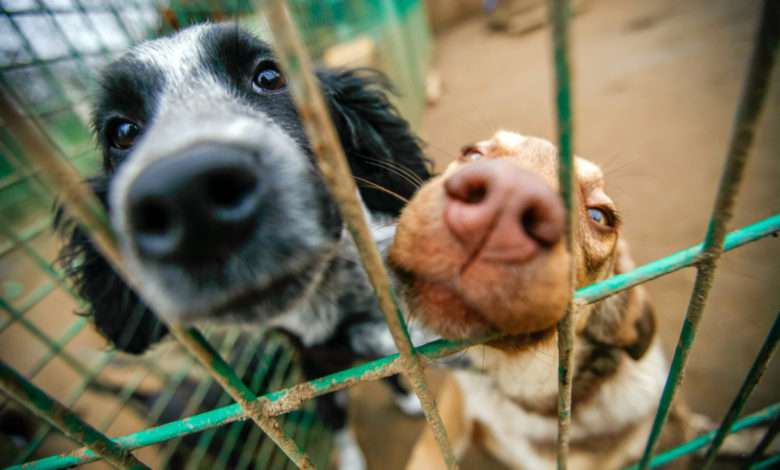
[
  {"x": 766, "y": 440},
  {"x": 338, "y": 178},
  {"x": 559, "y": 11},
  {"x": 83, "y": 205},
  {"x": 751, "y": 380},
  {"x": 291, "y": 398},
  {"x": 410, "y": 360},
  {"x": 60, "y": 416},
  {"x": 758, "y": 418},
  {"x": 754, "y": 91}
]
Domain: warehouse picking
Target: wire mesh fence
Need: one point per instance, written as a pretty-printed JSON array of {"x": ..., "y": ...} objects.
[{"x": 230, "y": 416}]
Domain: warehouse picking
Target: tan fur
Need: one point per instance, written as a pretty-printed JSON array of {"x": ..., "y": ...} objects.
[{"x": 619, "y": 367}]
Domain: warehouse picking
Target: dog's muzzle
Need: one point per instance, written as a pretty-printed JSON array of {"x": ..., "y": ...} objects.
[{"x": 199, "y": 205}]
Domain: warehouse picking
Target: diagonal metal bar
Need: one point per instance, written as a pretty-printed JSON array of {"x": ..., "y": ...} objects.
[
  {"x": 751, "y": 380},
  {"x": 766, "y": 441},
  {"x": 755, "y": 89},
  {"x": 335, "y": 170},
  {"x": 559, "y": 18},
  {"x": 221, "y": 371},
  {"x": 291, "y": 398},
  {"x": 58, "y": 415},
  {"x": 769, "y": 462},
  {"x": 771, "y": 412},
  {"x": 82, "y": 204}
]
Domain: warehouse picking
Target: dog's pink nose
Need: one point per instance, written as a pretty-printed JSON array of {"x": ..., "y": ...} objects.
[{"x": 501, "y": 212}]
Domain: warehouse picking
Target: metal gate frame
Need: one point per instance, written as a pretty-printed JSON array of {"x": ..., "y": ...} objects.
[{"x": 263, "y": 410}]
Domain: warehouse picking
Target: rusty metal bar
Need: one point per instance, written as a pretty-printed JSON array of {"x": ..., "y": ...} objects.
[
  {"x": 81, "y": 203},
  {"x": 338, "y": 177},
  {"x": 751, "y": 102},
  {"x": 221, "y": 371},
  {"x": 59, "y": 416},
  {"x": 559, "y": 11},
  {"x": 751, "y": 380},
  {"x": 766, "y": 441},
  {"x": 292, "y": 398},
  {"x": 756, "y": 419}
]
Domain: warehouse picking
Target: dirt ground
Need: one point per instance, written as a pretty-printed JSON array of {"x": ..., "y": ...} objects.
[{"x": 656, "y": 89}]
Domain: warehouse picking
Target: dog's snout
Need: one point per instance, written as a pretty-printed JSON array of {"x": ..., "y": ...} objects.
[
  {"x": 198, "y": 205},
  {"x": 502, "y": 212}
]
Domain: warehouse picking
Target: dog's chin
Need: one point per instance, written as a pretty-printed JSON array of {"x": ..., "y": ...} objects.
[
  {"x": 252, "y": 303},
  {"x": 460, "y": 308},
  {"x": 247, "y": 300}
]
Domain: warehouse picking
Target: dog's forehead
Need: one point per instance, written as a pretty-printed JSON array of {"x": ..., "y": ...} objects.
[
  {"x": 176, "y": 53},
  {"x": 589, "y": 174},
  {"x": 189, "y": 53}
]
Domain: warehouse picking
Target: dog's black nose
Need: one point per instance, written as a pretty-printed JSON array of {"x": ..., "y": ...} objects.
[{"x": 197, "y": 206}]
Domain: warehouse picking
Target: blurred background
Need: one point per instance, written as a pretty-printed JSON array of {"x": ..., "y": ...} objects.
[{"x": 656, "y": 84}]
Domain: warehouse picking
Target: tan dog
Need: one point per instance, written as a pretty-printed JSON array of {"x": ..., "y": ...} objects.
[{"x": 479, "y": 249}]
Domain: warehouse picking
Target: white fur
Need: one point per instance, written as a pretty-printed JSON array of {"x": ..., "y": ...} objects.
[
  {"x": 350, "y": 457},
  {"x": 628, "y": 397}
]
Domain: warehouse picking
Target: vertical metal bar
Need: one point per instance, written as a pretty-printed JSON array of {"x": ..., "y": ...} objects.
[
  {"x": 559, "y": 11},
  {"x": 751, "y": 102},
  {"x": 58, "y": 415},
  {"x": 751, "y": 380},
  {"x": 84, "y": 206},
  {"x": 765, "y": 442},
  {"x": 335, "y": 170}
]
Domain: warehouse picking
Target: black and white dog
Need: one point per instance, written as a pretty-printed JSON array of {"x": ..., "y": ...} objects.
[{"x": 219, "y": 208}]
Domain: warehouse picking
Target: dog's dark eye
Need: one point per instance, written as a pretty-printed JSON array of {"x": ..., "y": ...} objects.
[
  {"x": 600, "y": 216},
  {"x": 122, "y": 134},
  {"x": 268, "y": 77}
]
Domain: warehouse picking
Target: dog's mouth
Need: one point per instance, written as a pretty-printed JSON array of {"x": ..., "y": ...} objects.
[
  {"x": 446, "y": 307},
  {"x": 264, "y": 299}
]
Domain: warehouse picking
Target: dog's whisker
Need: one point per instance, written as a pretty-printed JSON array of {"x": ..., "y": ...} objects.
[
  {"x": 397, "y": 168},
  {"x": 370, "y": 184}
]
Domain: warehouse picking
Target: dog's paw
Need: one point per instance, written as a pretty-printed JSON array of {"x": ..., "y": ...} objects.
[
  {"x": 350, "y": 456},
  {"x": 409, "y": 404}
]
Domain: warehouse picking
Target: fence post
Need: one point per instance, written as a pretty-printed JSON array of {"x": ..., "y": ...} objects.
[{"x": 749, "y": 109}]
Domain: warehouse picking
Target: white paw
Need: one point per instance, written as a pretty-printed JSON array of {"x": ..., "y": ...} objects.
[
  {"x": 350, "y": 456},
  {"x": 409, "y": 404}
]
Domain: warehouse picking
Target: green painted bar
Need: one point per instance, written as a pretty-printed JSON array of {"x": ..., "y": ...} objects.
[
  {"x": 56, "y": 414},
  {"x": 241, "y": 368},
  {"x": 337, "y": 176},
  {"x": 74, "y": 395},
  {"x": 752, "y": 378},
  {"x": 55, "y": 348},
  {"x": 264, "y": 452},
  {"x": 754, "y": 91},
  {"x": 766, "y": 440},
  {"x": 384, "y": 366},
  {"x": 281, "y": 369},
  {"x": 755, "y": 419},
  {"x": 681, "y": 259},
  {"x": 769, "y": 462},
  {"x": 209, "y": 358},
  {"x": 559, "y": 11}
]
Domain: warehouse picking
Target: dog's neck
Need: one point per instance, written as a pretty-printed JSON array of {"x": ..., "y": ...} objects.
[
  {"x": 528, "y": 374},
  {"x": 609, "y": 386}
]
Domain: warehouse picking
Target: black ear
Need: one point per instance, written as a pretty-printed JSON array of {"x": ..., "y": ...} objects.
[
  {"x": 118, "y": 313},
  {"x": 378, "y": 142}
]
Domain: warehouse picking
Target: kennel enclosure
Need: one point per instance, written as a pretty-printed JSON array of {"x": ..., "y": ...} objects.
[{"x": 45, "y": 146}]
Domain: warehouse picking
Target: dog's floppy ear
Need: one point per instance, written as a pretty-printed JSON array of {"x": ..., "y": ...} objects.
[
  {"x": 118, "y": 313},
  {"x": 378, "y": 142},
  {"x": 625, "y": 320}
]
